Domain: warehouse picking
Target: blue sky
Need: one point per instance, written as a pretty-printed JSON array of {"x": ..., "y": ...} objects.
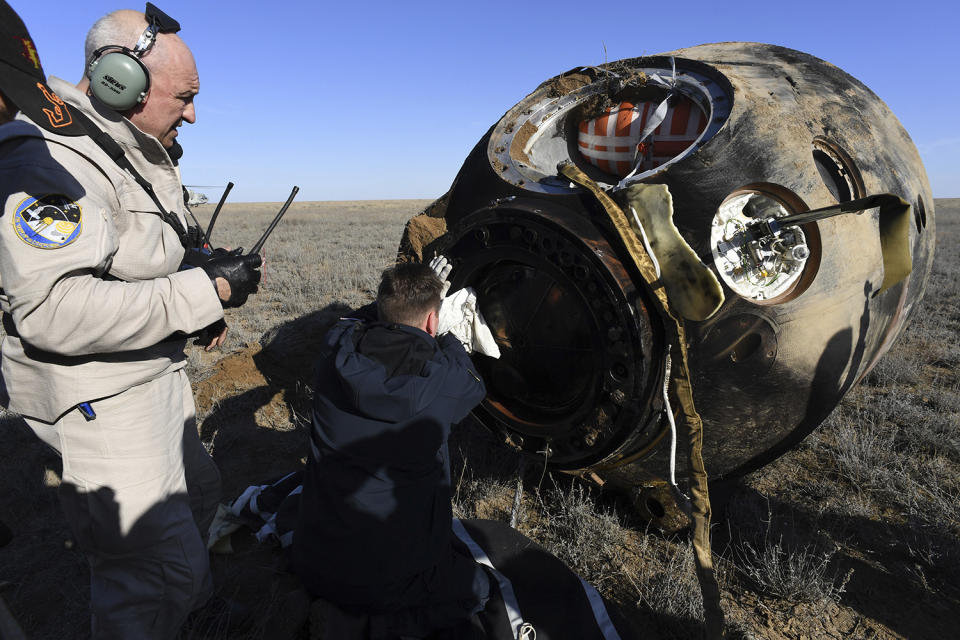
[{"x": 377, "y": 100}]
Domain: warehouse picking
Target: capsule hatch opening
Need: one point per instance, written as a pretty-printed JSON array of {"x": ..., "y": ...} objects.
[{"x": 617, "y": 125}]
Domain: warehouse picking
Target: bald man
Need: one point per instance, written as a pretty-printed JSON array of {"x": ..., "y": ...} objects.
[
  {"x": 96, "y": 310},
  {"x": 172, "y": 89}
]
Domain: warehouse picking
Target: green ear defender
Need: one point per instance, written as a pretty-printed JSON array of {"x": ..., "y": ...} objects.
[{"x": 118, "y": 78}]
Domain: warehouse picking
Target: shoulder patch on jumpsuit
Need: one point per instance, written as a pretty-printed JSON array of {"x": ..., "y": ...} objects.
[{"x": 49, "y": 222}]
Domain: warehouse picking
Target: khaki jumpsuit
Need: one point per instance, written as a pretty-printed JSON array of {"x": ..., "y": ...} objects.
[{"x": 91, "y": 295}]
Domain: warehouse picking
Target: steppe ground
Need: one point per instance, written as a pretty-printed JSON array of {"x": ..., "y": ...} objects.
[{"x": 855, "y": 534}]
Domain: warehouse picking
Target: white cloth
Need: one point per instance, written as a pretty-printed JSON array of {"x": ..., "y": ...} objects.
[{"x": 460, "y": 316}]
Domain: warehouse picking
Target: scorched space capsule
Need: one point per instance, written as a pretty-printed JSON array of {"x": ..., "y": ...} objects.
[{"x": 786, "y": 316}]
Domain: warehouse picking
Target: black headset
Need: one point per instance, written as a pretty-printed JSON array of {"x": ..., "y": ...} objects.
[{"x": 118, "y": 78}]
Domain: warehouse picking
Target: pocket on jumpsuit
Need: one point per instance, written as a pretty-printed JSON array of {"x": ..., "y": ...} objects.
[{"x": 122, "y": 512}]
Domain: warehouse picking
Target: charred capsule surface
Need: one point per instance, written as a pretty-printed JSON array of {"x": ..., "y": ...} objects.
[{"x": 738, "y": 133}]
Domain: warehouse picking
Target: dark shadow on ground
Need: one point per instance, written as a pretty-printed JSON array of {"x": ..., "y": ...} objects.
[
  {"x": 481, "y": 456},
  {"x": 43, "y": 576},
  {"x": 905, "y": 577},
  {"x": 248, "y": 446},
  {"x": 257, "y": 436}
]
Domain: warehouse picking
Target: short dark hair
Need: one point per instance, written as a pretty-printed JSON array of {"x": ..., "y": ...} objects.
[{"x": 407, "y": 293}]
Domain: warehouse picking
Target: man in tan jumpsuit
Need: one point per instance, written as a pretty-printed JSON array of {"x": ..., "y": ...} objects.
[{"x": 96, "y": 313}]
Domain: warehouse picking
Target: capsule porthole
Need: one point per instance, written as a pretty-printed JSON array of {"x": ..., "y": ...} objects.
[
  {"x": 756, "y": 257},
  {"x": 837, "y": 170}
]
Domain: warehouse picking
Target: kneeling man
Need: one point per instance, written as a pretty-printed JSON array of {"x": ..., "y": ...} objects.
[{"x": 374, "y": 534}]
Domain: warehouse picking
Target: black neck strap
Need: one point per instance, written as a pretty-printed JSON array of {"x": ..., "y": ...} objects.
[{"x": 112, "y": 149}]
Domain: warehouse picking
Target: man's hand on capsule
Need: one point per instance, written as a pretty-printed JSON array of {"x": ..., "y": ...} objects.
[{"x": 442, "y": 267}]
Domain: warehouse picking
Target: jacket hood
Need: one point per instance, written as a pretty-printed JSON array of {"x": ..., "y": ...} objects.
[{"x": 388, "y": 372}]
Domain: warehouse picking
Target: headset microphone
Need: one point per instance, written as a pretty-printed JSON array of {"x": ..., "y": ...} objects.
[{"x": 118, "y": 77}]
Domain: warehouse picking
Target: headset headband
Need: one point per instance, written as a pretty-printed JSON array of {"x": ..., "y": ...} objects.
[{"x": 158, "y": 22}]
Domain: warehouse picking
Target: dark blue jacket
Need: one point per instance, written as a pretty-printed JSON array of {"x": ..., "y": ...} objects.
[{"x": 376, "y": 505}]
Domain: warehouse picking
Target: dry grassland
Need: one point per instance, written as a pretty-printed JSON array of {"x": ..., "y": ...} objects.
[{"x": 855, "y": 534}]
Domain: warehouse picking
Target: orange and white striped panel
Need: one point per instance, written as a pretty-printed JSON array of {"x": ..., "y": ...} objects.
[{"x": 610, "y": 141}]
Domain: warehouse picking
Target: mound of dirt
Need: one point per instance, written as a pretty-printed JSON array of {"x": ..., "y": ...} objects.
[
  {"x": 420, "y": 231},
  {"x": 233, "y": 374},
  {"x": 256, "y": 403}
]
